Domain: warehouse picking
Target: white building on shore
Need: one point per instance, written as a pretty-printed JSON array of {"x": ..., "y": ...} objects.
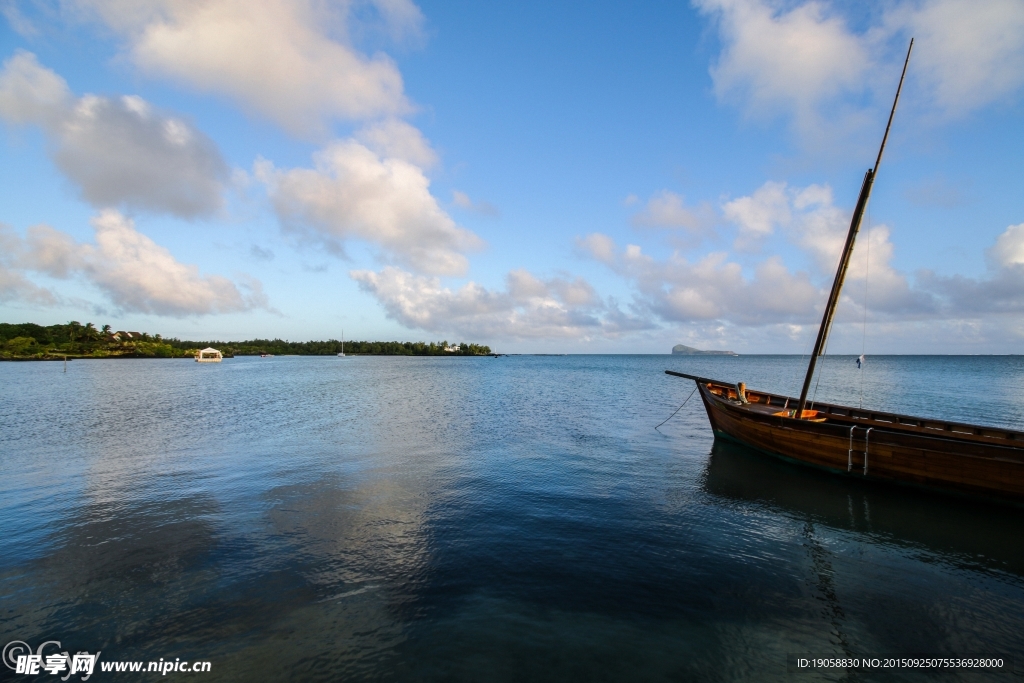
[{"x": 209, "y": 355}]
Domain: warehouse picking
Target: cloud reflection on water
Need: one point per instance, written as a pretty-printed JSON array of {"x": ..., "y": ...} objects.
[{"x": 371, "y": 519}]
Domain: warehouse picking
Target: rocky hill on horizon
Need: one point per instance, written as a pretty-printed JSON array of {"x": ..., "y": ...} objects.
[{"x": 683, "y": 350}]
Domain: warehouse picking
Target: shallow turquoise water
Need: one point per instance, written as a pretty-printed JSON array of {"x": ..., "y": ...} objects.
[{"x": 499, "y": 519}]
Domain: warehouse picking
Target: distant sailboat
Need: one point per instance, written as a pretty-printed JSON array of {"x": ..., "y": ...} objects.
[{"x": 342, "y": 354}]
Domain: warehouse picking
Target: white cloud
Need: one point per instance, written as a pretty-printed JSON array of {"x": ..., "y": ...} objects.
[
  {"x": 711, "y": 288},
  {"x": 809, "y": 219},
  {"x": 30, "y": 93},
  {"x": 872, "y": 281},
  {"x": 402, "y": 18},
  {"x": 18, "y": 21},
  {"x": 398, "y": 140},
  {"x": 135, "y": 273},
  {"x": 807, "y": 216},
  {"x": 528, "y": 308},
  {"x": 1002, "y": 292},
  {"x": 815, "y": 224},
  {"x": 53, "y": 252},
  {"x": 118, "y": 151},
  {"x": 462, "y": 200},
  {"x": 140, "y": 275},
  {"x": 354, "y": 193},
  {"x": 757, "y": 215},
  {"x": 1008, "y": 250},
  {"x": 121, "y": 152},
  {"x": 790, "y": 61},
  {"x": 806, "y": 62},
  {"x": 13, "y": 285},
  {"x": 667, "y": 210},
  {"x": 715, "y": 290},
  {"x": 277, "y": 57},
  {"x": 969, "y": 53},
  {"x": 598, "y": 246},
  {"x": 978, "y": 299}
]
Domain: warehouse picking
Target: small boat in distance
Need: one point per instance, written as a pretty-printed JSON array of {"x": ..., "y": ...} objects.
[
  {"x": 947, "y": 456},
  {"x": 342, "y": 354}
]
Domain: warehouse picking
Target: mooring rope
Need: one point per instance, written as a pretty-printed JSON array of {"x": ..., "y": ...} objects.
[{"x": 680, "y": 407}]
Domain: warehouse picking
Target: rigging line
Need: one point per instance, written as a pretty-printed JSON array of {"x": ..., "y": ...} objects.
[
  {"x": 821, "y": 371},
  {"x": 803, "y": 361},
  {"x": 824, "y": 349},
  {"x": 864, "y": 327},
  {"x": 680, "y": 407},
  {"x": 803, "y": 357}
]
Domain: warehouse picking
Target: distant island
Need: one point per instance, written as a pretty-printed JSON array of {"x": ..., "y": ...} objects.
[
  {"x": 683, "y": 350},
  {"x": 28, "y": 341}
]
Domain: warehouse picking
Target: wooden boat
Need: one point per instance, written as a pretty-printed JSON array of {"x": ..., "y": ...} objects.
[
  {"x": 947, "y": 456},
  {"x": 870, "y": 444}
]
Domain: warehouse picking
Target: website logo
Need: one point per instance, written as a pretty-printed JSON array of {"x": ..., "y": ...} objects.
[{"x": 48, "y": 658}]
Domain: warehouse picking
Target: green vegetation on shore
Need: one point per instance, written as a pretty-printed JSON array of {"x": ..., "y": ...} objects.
[{"x": 28, "y": 341}]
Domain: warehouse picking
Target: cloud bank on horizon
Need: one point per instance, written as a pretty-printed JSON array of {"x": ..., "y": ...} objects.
[{"x": 295, "y": 116}]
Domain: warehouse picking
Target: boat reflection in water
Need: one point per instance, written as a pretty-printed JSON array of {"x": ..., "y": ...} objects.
[{"x": 964, "y": 533}]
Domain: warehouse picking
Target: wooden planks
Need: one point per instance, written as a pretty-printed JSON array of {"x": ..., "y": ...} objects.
[{"x": 902, "y": 449}]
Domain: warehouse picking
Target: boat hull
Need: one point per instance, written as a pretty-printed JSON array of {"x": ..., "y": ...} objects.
[{"x": 950, "y": 457}]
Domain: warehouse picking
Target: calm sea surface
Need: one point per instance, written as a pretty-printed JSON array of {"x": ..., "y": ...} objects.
[{"x": 481, "y": 519}]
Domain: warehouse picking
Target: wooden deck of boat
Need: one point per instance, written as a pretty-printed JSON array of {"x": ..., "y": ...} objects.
[{"x": 951, "y": 456}]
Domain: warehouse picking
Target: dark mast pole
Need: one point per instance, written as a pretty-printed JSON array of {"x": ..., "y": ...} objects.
[{"x": 844, "y": 261}]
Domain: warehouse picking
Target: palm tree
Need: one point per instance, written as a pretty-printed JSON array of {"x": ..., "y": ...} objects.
[{"x": 73, "y": 326}]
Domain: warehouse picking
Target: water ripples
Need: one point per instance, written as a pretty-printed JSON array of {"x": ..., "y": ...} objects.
[{"x": 471, "y": 518}]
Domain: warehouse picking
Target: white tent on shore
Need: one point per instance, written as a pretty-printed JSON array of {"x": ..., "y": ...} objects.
[{"x": 209, "y": 355}]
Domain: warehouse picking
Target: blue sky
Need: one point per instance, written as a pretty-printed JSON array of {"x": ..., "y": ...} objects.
[{"x": 580, "y": 178}]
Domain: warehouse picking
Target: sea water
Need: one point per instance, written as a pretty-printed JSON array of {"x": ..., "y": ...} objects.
[{"x": 485, "y": 519}]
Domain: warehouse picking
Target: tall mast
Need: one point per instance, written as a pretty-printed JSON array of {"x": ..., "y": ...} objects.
[{"x": 844, "y": 261}]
